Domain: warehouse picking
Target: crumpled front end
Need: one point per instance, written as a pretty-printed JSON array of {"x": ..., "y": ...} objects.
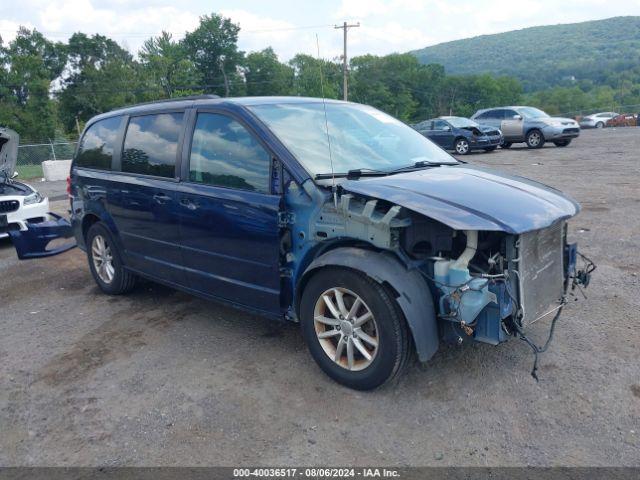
[{"x": 499, "y": 288}]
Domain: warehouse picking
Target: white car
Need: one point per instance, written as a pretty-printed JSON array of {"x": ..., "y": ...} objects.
[
  {"x": 597, "y": 120},
  {"x": 20, "y": 204}
]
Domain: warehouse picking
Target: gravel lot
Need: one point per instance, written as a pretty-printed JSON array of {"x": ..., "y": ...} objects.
[{"x": 162, "y": 378}]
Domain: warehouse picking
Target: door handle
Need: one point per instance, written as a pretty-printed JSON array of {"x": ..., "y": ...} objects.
[
  {"x": 161, "y": 198},
  {"x": 185, "y": 202}
]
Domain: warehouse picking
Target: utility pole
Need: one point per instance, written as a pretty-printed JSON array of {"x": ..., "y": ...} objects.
[{"x": 345, "y": 72}]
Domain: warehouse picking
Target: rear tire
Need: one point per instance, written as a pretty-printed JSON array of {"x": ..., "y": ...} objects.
[
  {"x": 600, "y": 125},
  {"x": 105, "y": 262},
  {"x": 535, "y": 139},
  {"x": 562, "y": 143},
  {"x": 324, "y": 331}
]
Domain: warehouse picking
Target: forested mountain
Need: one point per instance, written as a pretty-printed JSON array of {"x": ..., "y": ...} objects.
[{"x": 601, "y": 52}]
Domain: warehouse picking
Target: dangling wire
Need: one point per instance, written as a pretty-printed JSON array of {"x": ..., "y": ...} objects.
[{"x": 326, "y": 126}]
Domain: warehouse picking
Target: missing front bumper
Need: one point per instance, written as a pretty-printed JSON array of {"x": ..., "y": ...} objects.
[{"x": 35, "y": 241}]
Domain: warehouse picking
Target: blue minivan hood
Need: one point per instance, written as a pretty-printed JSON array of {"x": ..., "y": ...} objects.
[{"x": 471, "y": 198}]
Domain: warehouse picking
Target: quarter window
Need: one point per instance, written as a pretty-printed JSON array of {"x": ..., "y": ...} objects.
[
  {"x": 225, "y": 154},
  {"x": 98, "y": 143},
  {"x": 151, "y": 144}
]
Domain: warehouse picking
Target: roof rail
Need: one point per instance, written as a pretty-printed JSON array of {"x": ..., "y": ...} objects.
[{"x": 207, "y": 96}]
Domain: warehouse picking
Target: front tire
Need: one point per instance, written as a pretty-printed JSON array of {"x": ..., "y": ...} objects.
[
  {"x": 354, "y": 328},
  {"x": 462, "y": 146},
  {"x": 600, "y": 125},
  {"x": 506, "y": 145},
  {"x": 562, "y": 143},
  {"x": 105, "y": 262},
  {"x": 535, "y": 139}
]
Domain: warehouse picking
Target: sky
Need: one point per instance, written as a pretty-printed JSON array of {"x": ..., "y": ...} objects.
[{"x": 291, "y": 27}]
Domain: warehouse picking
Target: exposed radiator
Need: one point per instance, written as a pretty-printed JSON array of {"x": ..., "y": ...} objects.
[{"x": 541, "y": 271}]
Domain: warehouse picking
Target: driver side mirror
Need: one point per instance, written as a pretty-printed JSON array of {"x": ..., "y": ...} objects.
[
  {"x": 15, "y": 175},
  {"x": 517, "y": 117}
]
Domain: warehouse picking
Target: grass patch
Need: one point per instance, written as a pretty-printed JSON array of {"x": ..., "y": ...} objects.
[{"x": 26, "y": 172}]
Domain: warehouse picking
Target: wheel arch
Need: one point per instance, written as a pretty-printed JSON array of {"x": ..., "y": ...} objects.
[
  {"x": 92, "y": 217},
  {"x": 409, "y": 287},
  {"x": 530, "y": 129}
]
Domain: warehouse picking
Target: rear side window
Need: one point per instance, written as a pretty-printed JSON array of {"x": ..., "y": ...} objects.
[
  {"x": 98, "y": 143},
  {"x": 225, "y": 154},
  {"x": 151, "y": 144},
  {"x": 486, "y": 115},
  {"x": 440, "y": 125}
]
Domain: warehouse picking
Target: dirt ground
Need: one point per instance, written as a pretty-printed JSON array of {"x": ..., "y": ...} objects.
[{"x": 162, "y": 378}]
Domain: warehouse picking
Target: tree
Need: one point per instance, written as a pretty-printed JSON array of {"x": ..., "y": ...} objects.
[
  {"x": 389, "y": 83},
  {"x": 308, "y": 71},
  {"x": 167, "y": 68},
  {"x": 99, "y": 77},
  {"x": 213, "y": 49},
  {"x": 28, "y": 66},
  {"x": 265, "y": 75}
]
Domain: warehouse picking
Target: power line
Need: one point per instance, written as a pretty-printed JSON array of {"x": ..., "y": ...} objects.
[{"x": 54, "y": 33}]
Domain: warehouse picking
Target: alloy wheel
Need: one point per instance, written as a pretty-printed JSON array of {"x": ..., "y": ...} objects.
[
  {"x": 102, "y": 259},
  {"x": 462, "y": 147},
  {"x": 346, "y": 329},
  {"x": 534, "y": 139}
]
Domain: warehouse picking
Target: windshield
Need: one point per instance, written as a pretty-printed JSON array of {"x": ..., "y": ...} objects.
[
  {"x": 530, "y": 112},
  {"x": 460, "y": 122},
  {"x": 361, "y": 137}
]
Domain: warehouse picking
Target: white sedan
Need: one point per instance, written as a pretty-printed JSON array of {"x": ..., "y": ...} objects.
[
  {"x": 20, "y": 205},
  {"x": 597, "y": 120}
]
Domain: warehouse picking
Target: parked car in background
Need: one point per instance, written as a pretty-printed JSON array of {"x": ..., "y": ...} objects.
[
  {"x": 327, "y": 213},
  {"x": 623, "y": 120},
  {"x": 529, "y": 125},
  {"x": 20, "y": 204},
  {"x": 597, "y": 120},
  {"x": 460, "y": 134}
]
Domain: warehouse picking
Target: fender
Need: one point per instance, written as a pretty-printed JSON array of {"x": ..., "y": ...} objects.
[{"x": 414, "y": 296}]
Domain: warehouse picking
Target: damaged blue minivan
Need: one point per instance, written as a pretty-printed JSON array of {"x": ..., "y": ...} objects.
[{"x": 327, "y": 213}]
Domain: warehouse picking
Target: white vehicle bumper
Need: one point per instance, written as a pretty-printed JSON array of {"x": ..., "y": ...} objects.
[{"x": 18, "y": 219}]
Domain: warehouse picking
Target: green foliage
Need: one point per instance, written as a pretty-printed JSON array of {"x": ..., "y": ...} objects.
[
  {"x": 167, "y": 72},
  {"x": 308, "y": 70},
  {"x": 265, "y": 75},
  {"x": 102, "y": 76},
  {"x": 49, "y": 88},
  {"x": 213, "y": 49},
  {"x": 602, "y": 51},
  {"x": 28, "y": 65}
]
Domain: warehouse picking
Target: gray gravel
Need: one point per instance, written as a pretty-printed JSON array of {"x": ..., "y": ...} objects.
[{"x": 162, "y": 378}]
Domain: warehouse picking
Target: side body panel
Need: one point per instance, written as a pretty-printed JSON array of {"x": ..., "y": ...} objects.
[
  {"x": 230, "y": 237},
  {"x": 230, "y": 242},
  {"x": 414, "y": 295}
]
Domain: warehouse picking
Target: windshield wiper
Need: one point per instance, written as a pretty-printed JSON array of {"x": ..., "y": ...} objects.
[
  {"x": 419, "y": 165},
  {"x": 354, "y": 174}
]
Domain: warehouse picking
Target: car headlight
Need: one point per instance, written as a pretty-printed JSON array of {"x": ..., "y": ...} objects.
[{"x": 35, "y": 197}]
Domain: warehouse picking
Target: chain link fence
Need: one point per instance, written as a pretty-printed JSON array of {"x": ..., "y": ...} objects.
[{"x": 32, "y": 154}]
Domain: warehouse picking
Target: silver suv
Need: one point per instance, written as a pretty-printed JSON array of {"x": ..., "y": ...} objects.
[{"x": 529, "y": 125}]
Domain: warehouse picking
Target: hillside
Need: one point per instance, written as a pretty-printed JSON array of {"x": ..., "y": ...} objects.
[{"x": 596, "y": 51}]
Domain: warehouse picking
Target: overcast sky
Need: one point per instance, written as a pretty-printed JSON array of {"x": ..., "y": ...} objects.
[{"x": 291, "y": 27}]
